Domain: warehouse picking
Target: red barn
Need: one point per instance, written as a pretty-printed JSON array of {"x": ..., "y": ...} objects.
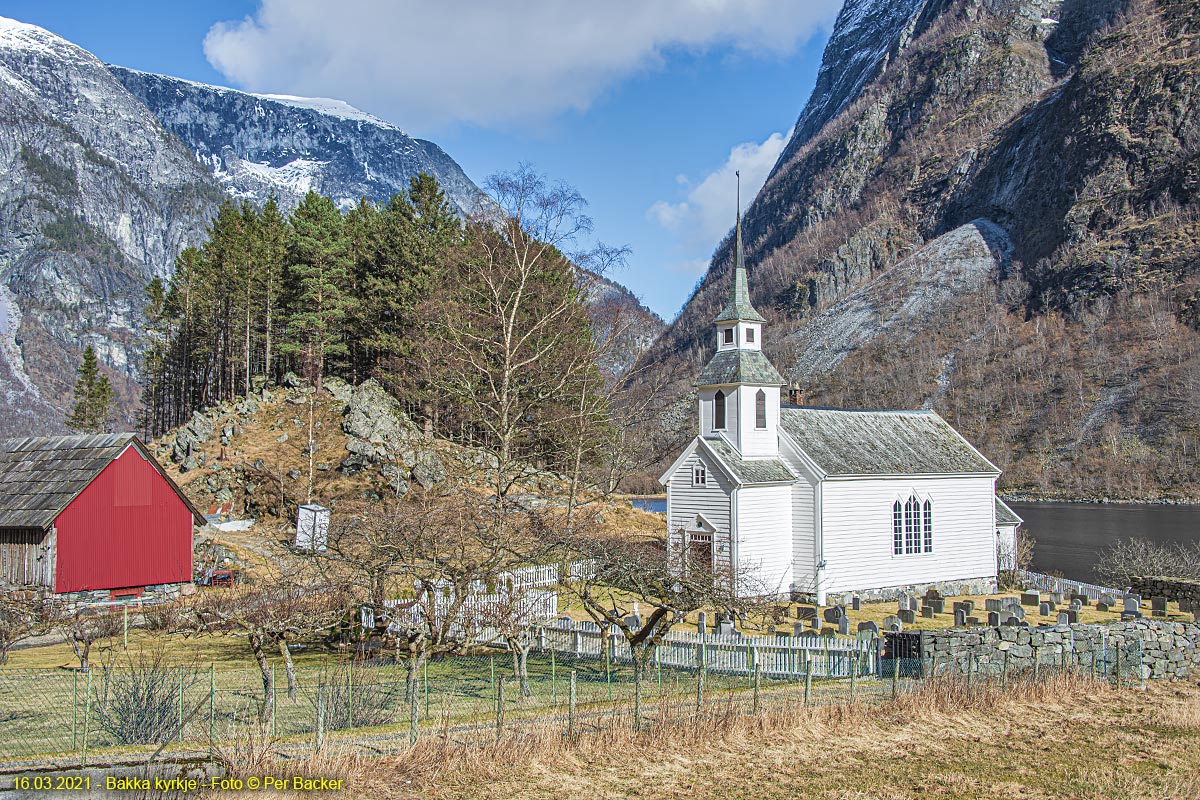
[{"x": 92, "y": 514}]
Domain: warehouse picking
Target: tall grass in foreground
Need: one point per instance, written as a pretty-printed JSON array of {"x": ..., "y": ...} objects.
[{"x": 672, "y": 725}]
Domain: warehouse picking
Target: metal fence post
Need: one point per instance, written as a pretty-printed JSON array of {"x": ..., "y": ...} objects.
[
  {"x": 1118, "y": 649},
  {"x": 87, "y": 715},
  {"x": 74, "y": 707},
  {"x": 699, "y": 690},
  {"x": 180, "y": 735},
  {"x": 274, "y": 700},
  {"x": 853, "y": 673},
  {"x": 895, "y": 674},
  {"x": 425, "y": 670},
  {"x": 807, "y": 675},
  {"x": 350, "y": 699},
  {"x": 757, "y": 686},
  {"x": 499, "y": 709},
  {"x": 1004, "y": 674},
  {"x": 320, "y": 715},
  {"x": 571, "y": 708},
  {"x": 414, "y": 714},
  {"x": 212, "y": 701},
  {"x": 553, "y": 679},
  {"x": 125, "y": 628}
]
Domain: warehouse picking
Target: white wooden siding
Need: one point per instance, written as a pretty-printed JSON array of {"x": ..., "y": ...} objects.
[
  {"x": 857, "y": 528},
  {"x": 764, "y": 536},
  {"x": 685, "y": 502},
  {"x": 1006, "y": 546},
  {"x": 752, "y": 441},
  {"x": 707, "y": 396}
]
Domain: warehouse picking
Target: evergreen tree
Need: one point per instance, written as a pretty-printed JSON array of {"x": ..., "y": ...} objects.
[
  {"x": 317, "y": 278},
  {"x": 93, "y": 397}
]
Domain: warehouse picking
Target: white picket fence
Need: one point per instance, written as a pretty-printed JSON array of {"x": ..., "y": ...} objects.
[
  {"x": 781, "y": 657},
  {"x": 1048, "y": 583}
]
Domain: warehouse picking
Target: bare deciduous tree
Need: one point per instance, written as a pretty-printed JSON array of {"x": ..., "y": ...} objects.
[
  {"x": 24, "y": 613},
  {"x": 88, "y": 626},
  {"x": 1132, "y": 558}
]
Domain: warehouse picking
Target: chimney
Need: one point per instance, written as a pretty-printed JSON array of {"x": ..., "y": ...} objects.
[{"x": 795, "y": 395}]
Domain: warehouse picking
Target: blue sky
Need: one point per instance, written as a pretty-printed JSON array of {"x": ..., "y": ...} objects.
[{"x": 645, "y": 107}]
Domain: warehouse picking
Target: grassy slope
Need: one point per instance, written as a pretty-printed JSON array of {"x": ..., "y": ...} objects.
[{"x": 1064, "y": 740}]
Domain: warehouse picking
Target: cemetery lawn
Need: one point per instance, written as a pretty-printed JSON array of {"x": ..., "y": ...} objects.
[{"x": 1068, "y": 739}]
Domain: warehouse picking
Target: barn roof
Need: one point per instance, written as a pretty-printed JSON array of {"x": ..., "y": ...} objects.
[
  {"x": 39, "y": 477},
  {"x": 848, "y": 442}
]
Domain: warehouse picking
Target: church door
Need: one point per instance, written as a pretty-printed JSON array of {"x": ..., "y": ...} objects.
[{"x": 700, "y": 551}]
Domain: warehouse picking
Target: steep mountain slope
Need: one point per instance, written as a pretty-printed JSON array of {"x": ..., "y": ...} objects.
[
  {"x": 97, "y": 199},
  {"x": 1065, "y": 134},
  {"x": 258, "y": 144}
]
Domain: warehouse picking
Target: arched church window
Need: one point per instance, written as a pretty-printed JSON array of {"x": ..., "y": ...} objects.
[
  {"x": 760, "y": 410},
  {"x": 928, "y": 526},
  {"x": 719, "y": 410},
  {"x": 912, "y": 526},
  {"x": 897, "y": 529}
]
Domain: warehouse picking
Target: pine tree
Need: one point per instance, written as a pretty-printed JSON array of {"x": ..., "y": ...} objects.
[
  {"x": 93, "y": 397},
  {"x": 317, "y": 276}
]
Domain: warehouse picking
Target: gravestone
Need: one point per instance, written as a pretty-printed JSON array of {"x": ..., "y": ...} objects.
[
  {"x": 856, "y": 603},
  {"x": 1063, "y": 619},
  {"x": 1056, "y": 597},
  {"x": 969, "y": 607},
  {"x": 993, "y": 619},
  {"x": 889, "y": 621},
  {"x": 844, "y": 626},
  {"x": 1131, "y": 606},
  {"x": 827, "y": 632},
  {"x": 1011, "y": 621},
  {"x": 634, "y": 622},
  {"x": 1158, "y": 606},
  {"x": 973, "y": 622},
  {"x": 960, "y": 618},
  {"x": 1018, "y": 612},
  {"x": 1084, "y": 600},
  {"x": 1102, "y": 606},
  {"x": 834, "y": 613},
  {"x": 908, "y": 616},
  {"x": 1076, "y": 605},
  {"x": 896, "y": 628},
  {"x": 938, "y": 606},
  {"x": 1031, "y": 599},
  {"x": 1108, "y": 600},
  {"x": 798, "y": 629},
  {"x": 869, "y": 627},
  {"x": 927, "y": 612},
  {"x": 702, "y": 624},
  {"x": 994, "y": 604},
  {"x": 724, "y": 628},
  {"x": 815, "y": 623},
  {"x": 805, "y": 612},
  {"x": 1044, "y": 609}
]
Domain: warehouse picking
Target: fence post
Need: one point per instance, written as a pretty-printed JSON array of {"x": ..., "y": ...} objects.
[
  {"x": 212, "y": 702},
  {"x": 970, "y": 669},
  {"x": 1118, "y": 649},
  {"x": 414, "y": 717},
  {"x": 320, "y": 716},
  {"x": 180, "y": 735},
  {"x": 571, "y": 708},
  {"x": 807, "y": 675},
  {"x": 74, "y": 707},
  {"x": 425, "y": 670},
  {"x": 699, "y": 690},
  {"x": 125, "y": 628},
  {"x": 608, "y": 670},
  {"x": 1141, "y": 666},
  {"x": 1004, "y": 674},
  {"x": 757, "y": 686},
  {"x": 853, "y": 673},
  {"x": 895, "y": 674},
  {"x": 499, "y": 709},
  {"x": 87, "y": 715},
  {"x": 274, "y": 701},
  {"x": 553, "y": 679},
  {"x": 492, "y": 673},
  {"x": 350, "y": 699}
]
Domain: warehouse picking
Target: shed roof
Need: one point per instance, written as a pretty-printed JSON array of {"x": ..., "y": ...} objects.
[
  {"x": 39, "y": 477},
  {"x": 851, "y": 442},
  {"x": 1005, "y": 515},
  {"x": 748, "y": 470},
  {"x": 739, "y": 366}
]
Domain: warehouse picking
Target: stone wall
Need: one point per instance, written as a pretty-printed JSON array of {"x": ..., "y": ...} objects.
[
  {"x": 1186, "y": 593},
  {"x": 1147, "y": 648},
  {"x": 948, "y": 589}
]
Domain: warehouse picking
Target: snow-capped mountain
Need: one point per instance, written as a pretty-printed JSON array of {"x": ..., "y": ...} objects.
[
  {"x": 97, "y": 198},
  {"x": 256, "y": 144}
]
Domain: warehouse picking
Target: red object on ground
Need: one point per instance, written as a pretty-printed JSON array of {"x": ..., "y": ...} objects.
[
  {"x": 128, "y": 528},
  {"x": 222, "y": 577}
]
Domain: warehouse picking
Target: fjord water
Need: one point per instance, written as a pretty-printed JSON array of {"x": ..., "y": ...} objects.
[{"x": 1071, "y": 536}]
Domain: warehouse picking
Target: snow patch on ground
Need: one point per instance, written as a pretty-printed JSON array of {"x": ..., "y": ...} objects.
[{"x": 328, "y": 106}]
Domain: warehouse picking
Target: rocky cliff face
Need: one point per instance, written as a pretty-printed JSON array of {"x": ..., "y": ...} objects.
[
  {"x": 97, "y": 199},
  {"x": 259, "y": 144},
  {"x": 1056, "y": 328}
]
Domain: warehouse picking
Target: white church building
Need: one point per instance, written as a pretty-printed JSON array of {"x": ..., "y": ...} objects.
[{"x": 821, "y": 502}]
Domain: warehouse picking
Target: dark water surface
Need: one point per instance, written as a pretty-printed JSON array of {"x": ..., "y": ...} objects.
[{"x": 1071, "y": 536}]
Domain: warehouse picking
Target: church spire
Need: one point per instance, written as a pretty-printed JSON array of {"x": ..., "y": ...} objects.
[{"x": 739, "y": 307}]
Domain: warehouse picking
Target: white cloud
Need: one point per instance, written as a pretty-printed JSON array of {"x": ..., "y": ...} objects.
[
  {"x": 422, "y": 64},
  {"x": 707, "y": 213}
]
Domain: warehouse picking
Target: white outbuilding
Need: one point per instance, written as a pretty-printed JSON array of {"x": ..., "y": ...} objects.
[{"x": 822, "y": 501}]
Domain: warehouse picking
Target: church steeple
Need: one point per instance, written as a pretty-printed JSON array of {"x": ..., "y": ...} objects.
[{"x": 739, "y": 308}]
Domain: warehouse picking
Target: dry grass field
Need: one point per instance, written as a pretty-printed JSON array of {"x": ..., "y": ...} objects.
[{"x": 1062, "y": 738}]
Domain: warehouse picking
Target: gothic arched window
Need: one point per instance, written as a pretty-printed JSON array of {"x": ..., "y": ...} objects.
[
  {"x": 928, "y": 526},
  {"x": 897, "y": 529},
  {"x": 760, "y": 410},
  {"x": 719, "y": 410},
  {"x": 912, "y": 526}
]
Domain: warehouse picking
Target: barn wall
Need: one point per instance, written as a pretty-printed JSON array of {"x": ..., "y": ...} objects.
[
  {"x": 26, "y": 558},
  {"x": 127, "y": 528},
  {"x": 857, "y": 525}
]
